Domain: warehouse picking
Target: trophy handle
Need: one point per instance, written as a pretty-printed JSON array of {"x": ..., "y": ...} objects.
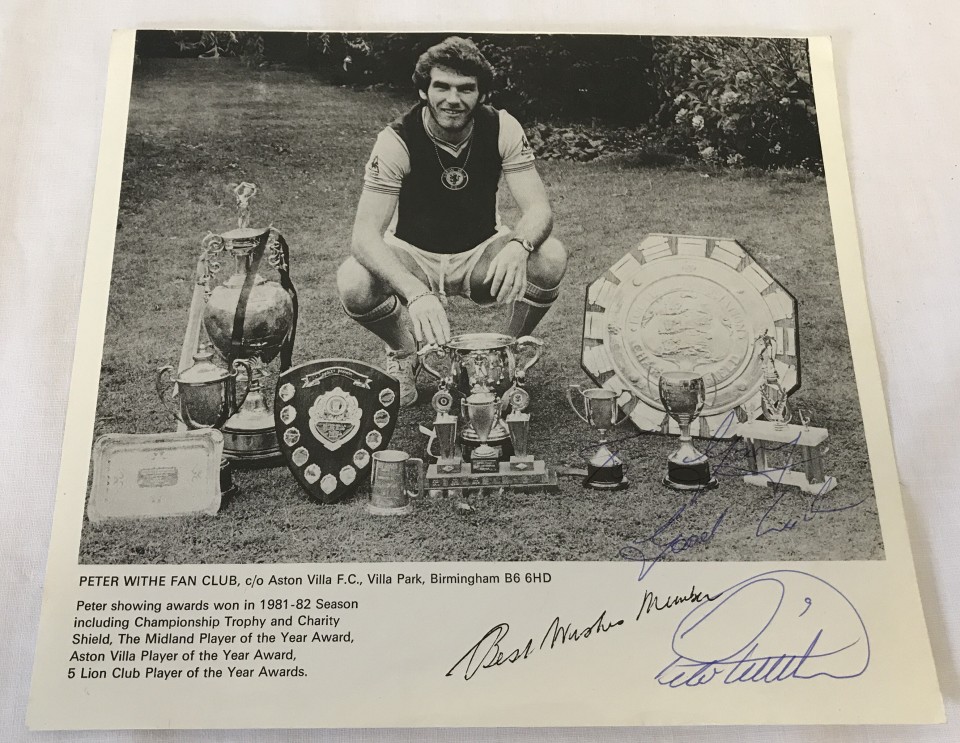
[
  {"x": 425, "y": 352},
  {"x": 626, "y": 409},
  {"x": 421, "y": 475},
  {"x": 162, "y": 390},
  {"x": 713, "y": 389},
  {"x": 430, "y": 442},
  {"x": 279, "y": 258},
  {"x": 576, "y": 407},
  {"x": 528, "y": 341},
  {"x": 236, "y": 366}
]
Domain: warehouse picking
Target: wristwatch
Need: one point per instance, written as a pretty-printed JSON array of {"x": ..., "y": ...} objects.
[{"x": 527, "y": 245}]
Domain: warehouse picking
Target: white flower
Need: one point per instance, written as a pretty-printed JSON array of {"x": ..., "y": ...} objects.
[
  {"x": 729, "y": 95},
  {"x": 697, "y": 122},
  {"x": 707, "y": 152},
  {"x": 680, "y": 114}
]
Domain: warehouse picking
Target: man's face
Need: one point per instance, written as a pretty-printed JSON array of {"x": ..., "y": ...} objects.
[{"x": 451, "y": 98}]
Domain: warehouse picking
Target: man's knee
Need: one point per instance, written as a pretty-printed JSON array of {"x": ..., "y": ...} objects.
[
  {"x": 548, "y": 265},
  {"x": 357, "y": 286}
]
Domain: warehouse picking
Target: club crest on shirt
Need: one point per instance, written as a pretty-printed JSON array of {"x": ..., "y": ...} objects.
[
  {"x": 526, "y": 149},
  {"x": 374, "y": 166}
]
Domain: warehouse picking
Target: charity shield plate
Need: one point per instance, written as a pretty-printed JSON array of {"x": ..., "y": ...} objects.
[
  {"x": 699, "y": 304},
  {"x": 335, "y": 407}
]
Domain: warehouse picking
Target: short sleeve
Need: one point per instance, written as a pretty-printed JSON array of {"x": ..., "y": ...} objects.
[
  {"x": 388, "y": 165},
  {"x": 515, "y": 149}
]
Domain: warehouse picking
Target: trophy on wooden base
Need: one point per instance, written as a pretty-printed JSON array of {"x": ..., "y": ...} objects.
[
  {"x": 484, "y": 448},
  {"x": 482, "y": 362},
  {"x": 775, "y": 437}
]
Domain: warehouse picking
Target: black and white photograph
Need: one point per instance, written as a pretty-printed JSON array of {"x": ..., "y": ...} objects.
[
  {"x": 528, "y": 369},
  {"x": 448, "y": 297}
]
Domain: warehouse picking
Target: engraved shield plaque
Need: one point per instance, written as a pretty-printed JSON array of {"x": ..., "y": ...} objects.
[
  {"x": 695, "y": 304},
  {"x": 331, "y": 415}
]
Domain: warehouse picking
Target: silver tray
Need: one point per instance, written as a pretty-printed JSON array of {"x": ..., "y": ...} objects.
[{"x": 154, "y": 475}]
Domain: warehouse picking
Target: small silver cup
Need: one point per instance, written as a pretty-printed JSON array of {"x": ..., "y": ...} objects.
[
  {"x": 602, "y": 413},
  {"x": 683, "y": 395},
  {"x": 482, "y": 409}
]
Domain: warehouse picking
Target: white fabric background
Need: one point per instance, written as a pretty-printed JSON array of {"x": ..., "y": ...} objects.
[{"x": 898, "y": 65}]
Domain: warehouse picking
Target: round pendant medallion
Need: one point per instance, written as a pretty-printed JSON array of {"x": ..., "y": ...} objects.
[{"x": 454, "y": 178}]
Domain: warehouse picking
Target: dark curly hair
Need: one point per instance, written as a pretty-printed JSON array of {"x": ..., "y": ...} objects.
[{"x": 457, "y": 54}]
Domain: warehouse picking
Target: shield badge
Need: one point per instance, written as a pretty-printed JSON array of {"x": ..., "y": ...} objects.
[{"x": 331, "y": 415}]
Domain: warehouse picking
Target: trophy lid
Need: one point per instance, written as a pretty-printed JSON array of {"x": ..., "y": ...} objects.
[{"x": 204, "y": 370}]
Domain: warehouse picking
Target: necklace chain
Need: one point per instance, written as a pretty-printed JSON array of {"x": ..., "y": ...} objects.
[
  {"x": 455, "y": 176},
  {"x": 466, "y": 159}
]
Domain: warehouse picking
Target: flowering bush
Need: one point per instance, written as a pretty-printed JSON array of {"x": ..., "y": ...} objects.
[{"x": 731, "y": 101}]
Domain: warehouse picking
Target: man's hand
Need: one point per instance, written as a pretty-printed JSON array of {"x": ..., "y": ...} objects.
[
  {"x": 429, "y": 320},
  {"x": 507, "y": 274}
]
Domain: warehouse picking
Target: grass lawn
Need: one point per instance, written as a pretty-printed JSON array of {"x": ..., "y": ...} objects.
[{"x": 197, "y": 125}]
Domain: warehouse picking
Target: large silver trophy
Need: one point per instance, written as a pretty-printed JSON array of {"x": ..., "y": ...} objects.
[
  {"x": 485, "y": 447},
  {"x": 482, "y": 362},
  {"x": 252, "y": 318},
  {"x": 683, "y": 395}
]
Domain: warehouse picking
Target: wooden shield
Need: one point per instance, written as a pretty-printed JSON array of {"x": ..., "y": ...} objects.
[{"x": 331, "y": 416}]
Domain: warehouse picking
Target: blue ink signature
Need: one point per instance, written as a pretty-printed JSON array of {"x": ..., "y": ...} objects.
[
  {"x": 664, "y": 540},
  {"x": 775, "y": 626},
  {"x": 675, "y": 544},
  {"x": 725, "y": 458},
  {"x": 809, "y": 507}
]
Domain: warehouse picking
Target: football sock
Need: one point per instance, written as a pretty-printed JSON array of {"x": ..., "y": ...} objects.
[
  {"x": 385, "y": 322},
  {"x": 529, "y": 310}
]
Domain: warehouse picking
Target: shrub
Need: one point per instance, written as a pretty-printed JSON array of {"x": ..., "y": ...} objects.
[{"x": 738, "y": 101}]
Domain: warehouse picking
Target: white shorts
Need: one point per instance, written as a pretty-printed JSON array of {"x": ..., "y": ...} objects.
[{"x": 448, "y": 274}]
